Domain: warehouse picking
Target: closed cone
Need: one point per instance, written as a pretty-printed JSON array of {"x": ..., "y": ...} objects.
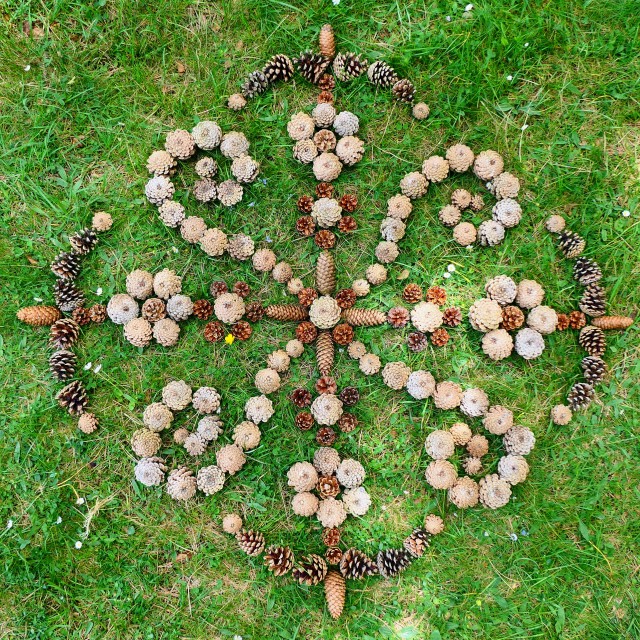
[
  {"x": 287, "y": 312},
  {"x": 325, "y": 353},
  {"x": 335, "y": 591},
  {"x": 609, "y": 323},
  {"x": 39, "y": 316},
  {"x": 364, "y": 317},
  {"x": 327, "y": 41},
  {"x": 326, "y": 273}
]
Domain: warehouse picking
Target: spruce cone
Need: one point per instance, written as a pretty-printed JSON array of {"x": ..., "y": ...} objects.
[
  {"x": 437, "y": 295},
  {"x": 346, "y": 298},
  {"x": 64, "y": 333},
  {"x": 335, "y": 590},
  {"x": 326, "y": 436},
  {"x": 343, "y": 334},
  {"x": 594, "y": 369},
  {"x": 364, "y": 317},
  {"x": 202, "y": 309},
  {"x": 66, "y": 266},
  {"x": 326, "y": 273},
  {"x": 73, "y": 397},
  {"x": 440, "y": 337},
  {"x": 39, "y": 316},
  {"x": 279, "y": 67},
  {"x": 311, "y": 66},
  {"x": 356, "y": 565},
  {"x": 612, "y": 322},
  {"x": 592, "y": 340},
  {"x": 580, "y": 396},
  {"x": 254, "y": 312},
  {"x": 412, "y": 293},
  {"x": 417, "y": 341},
  {"x": 83, "y": 241},
  {"x": 327, "y": 41},
  {"x": 67, "y": 295},
  {"x": 349, "y": 202},
  {"x": 304, "y": 421},
  {"x": 324, "y": 190},
  {"x": 416, "y": 544},
  {"x": 347, "y": 422},
  {"x": 305, "y": 226},
  {"x": 512, "y": 318},
  {"x": 311, "y": 570},
  {"x": 348, "y": 66},
  {"x": 347, "y": 224},
  {"x": 214, "y": 331},
  {"x": 325, "y": 353},
  {"x": 81, "y": 315},
  {"x": 381, "y": 74},
  {"x": 306, "y": 332},
  {"x": 586, "y": 271},
  {"x": 326, "y": 384},
  {"x": 287, "y": 312},
  {"x": 392, "y": 561},
  {"x": 577, "y": 320},
  {"x": 452, "y": 317},
  {"x": 398, "y": 317},
  {"x": 404, "y": 91},
  {"x": 571, "y": 244},
  {"x": 63, "y": 364},
  {"x": 241, "y": 330},
  {"x": 331, "y": 536},
  {"x": 593, "y": 301},
  {"x": 279, "y": 560},
  {"x": 305, "y": 204},
  {"x": 349, "y": 396},
  {"x": 255, "y": 84},
  {"x": 325, "y": 239},
  {"x": 251, "y": 542},
  {"x": 301, "y": 398}
]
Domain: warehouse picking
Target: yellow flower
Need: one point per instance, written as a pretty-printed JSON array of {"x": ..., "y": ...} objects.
[{"x": 229, "y": 339}]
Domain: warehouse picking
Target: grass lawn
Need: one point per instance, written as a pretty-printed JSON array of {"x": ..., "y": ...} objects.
[{"x": 88, "y": 90}]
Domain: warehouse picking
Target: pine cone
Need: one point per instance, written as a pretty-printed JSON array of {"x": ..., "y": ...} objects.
[
  {"x": 67, "y": 295},
  {"x": 412, "y": 293},
  {"x": 327, "y": 41},
  {"x": 381, "y": 74},
  {"x": 217, "y": 288},
  {"x": 346, "y": 298},
  {"x": 325, "y": 239},
  {"x": 325, "y": 97},
  {"x": 254, "y": 312},
  {"x": 609, "y": 323},
  {"x": 214, "y": 331},
  {"x": 348, "y": 66},
  {"x": 512, "y": 318},
  {"x": 63, "y": 364},
  {"x": 251, "y": 542},
  {"x": 326, "y": 273},
  {"x": 83, "y": 241},
  {"x": 154, "y": 309},
  {"x": 452, "y": 317},
  {"x": 327, "y": 82},
  {"x": 571, "y": 244},
  {"x": 416, "y": 544},
  {"x": 279, "y": 67},
  {"x": 279, "y": 560},
  {"x": 326, "y": 384},
  {"x": 333, "y": 555},
  {"x": 326, "y": 436},
  {"x": 594, "y": 369},
  {"x": 311, "y": 66},
  {"x": 364, "y": 317},
  {"x": 437, "y": 295},
  {"x": 392, "y": 561},
  {"x": 306, "y": 226},
  {"x": 66, "y": 266},
  {"x": 349, "y": 202},
  {"x": 440, "y": 337},
  {"x": 335, "y": 591},
  {"x": 241, "y": 330},
  {"x": 255, "y": 84},
  {"x": 324, "y": 190},
  {"x": 347, "y": 224},
  {"x": 98, "y": 313},
  {"x": 202, "y": 309},
  {"x": 241, "y": 289},
  {"x": 311, "y": 570},
  {"x": 349, "y": 396},
  {"x": 593, "y": 301},
  {"x": 331, "y": 536},
  {"x": 417, "y": 341},
  {"x": 328, "y": 486},
  {"x": 39, "y": 316},
  {"x": 305, "y": 204},
  {"x": 580, "y": 396},
  {"x": 586, "y": 271},
  {"x": 301, "y": 398},
  {"x": 81, "y": 315},
  {"x": 562, "y": 322},
  {"x": 404, "y": 91},
  {"x": 287, "y": 312},
  {"x": 306, "y": 332},
  {"x": 592, "y": 340},
  {"x": 577, "y": 320},
  {"x": 73, "y": 397},
  {"x": 64, "y": 333},
  {"x": 347, "y": 422},
  {"x": 325, "y": 353},
  {"x": 398, "y": 317},
  {"x": 343, "y": 334},
  {"x": 304, "y": 421},
  {"x": 356, "y": 565}
]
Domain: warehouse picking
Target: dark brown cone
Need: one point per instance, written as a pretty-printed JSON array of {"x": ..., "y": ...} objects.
[
  {"x": 39, "y": 316},
  {"x": 241, "y": 330},
  {"x": 325, "y": 97},
  {"x": 327, "y": 41},
  {"x": 305, "y": 226},
  {"x": 328, "y": 487},
  {"x": 382, "y": 75},
  {"x": 592, "y": 340},
  {"x": 586, "y": 271},
  {"x": 217, "y": 288},
  {"x": 64, "y": 333},
  {"x": 440, "y": 337},
  {"x": 301, "y": 398},
  {"x": 609, "y": 323},
  {"x": 98, "y": 313},
  {"x": 326, "y": 384},
  {"x": 305, "y": 204},
  {"x": 154, "y": 309},
  {"x": 417, "y": 341},
  {"x": 251, "y": 542},
  {"x": 326, "y": 273},
  {"x": 324, "y": 190},
  {"x": 311, "y": 66},
  {"x": 571, "y": 244},
  {"x": 327, "y": 83},
  {"x": 347, "y": 224},
  {"x": 255, "y": 84},
  {"x": 214, "y": 331},
  {"x": 333, "y": 555},
  {"x": 364, "y": 317},
  {"x": 594, "y": 369},
  {"x": 304, "y": 421},
  {"x": 307, "y": 296},
  {"x": 512, "y": 318},
  {"x": 437, "y": 295},
  {"x": 63, "y": 364},
  {"x": 202, "y": 309},
  {"x": 326, "y": 436},
  {"x": 286, "y": 312},
  {"x": 325, "y": 353},
  {"x": 593, "y": 301},
  {"x": 452, "y": 317},
  {"x": 279, "y": 67},
  {"x": 331, "y": 536},
  {"x": 356, "y": 565},
  {"x": 325, "y": 239},
  {"x": 398, "y": 317},
  {"x": 279, "y": 560},
  {"x": 349, "y": 396},
  {"x": 83, "y": 241},
  {"x": 306, "y": 332},
  {"x": 73, "y": 397},
  {"x": 392, "y": 561},
  {"x": 66, "y": 266},
  {"x": 577, "y": 320},
  {"x": 347, "y": 422},
  {"x": 67, "y": 295},
  {"x": 254, "y": 312},
  {"x": 349, "y": 202},
  {"x": 563, "y": 322},
  {"x": 346, "y": 298},
  {"x": 412, "y": 293},
  {"x": 404, "y": 91},
  {"x": 241, "y": 289},
  {"x": 81, "y": 315},
  {"x": 418, "y": 542},
  {"x": 335, "y": 591},
  {"x": 580, "y": 396},
  {"x": 343, "y": 334},
  {"x": 310, "y": 570}
]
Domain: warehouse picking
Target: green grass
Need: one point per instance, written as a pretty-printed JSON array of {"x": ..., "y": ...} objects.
[{"x": 87, "y": 91}]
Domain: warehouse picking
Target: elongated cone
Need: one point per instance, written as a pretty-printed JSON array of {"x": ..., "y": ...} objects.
[
  {"x": 326, "y": 273},
  {"x": 325, "y": 352},
  {"x": 335, "y": 590},
  {"x": 364, "y": 317},
  {"x": 39, "y": 316},
  {"x": 287, "y": 312},
  {"x": 327, "y": 41},
  {"x": 612, "y": 322}
]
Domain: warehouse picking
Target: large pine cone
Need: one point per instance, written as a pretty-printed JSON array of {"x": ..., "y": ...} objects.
[
  {"x": 279, "y": 560},
  {"x": 67, "y": 295},
  {"x": 612, "y": 322},
  {"x": 83, "y": 241},
  {"x": 311, "y": 66},
  {"x": 586, "y": 271},
  {"x": 63, "y": 364},
  {"x": 348, "y": 66},
  {"x": 594, "y": 369},
  {"x": 287, "y": 312},
  {"x": 325, "y": 353},
  {"x": 279, "y": 67},
  {"x": 416, "y": 544},
  {"x": 64, "y": 333},
  {"x": 335, "y": 589},
  {"x": 356, "y": 565},
  {"x": 571, "y": 244},
  {"x": 66, "y": 266},
  {"x": 392, "y": 561},
  {"x": 73, "y": 397},
  {"x": 251, "y": 542},
  {"x": 364, "y": 317},
  {"x": 593, "y": 301},
  {"x": 311, "y": 570},
  {"x": 326, "y": 273},
  {"x": 592, "y": 340},
  {"x": 39, "y": 316}
]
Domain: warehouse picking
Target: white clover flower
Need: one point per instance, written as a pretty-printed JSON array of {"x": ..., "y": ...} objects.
[{"x": 78, "y": 544}]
